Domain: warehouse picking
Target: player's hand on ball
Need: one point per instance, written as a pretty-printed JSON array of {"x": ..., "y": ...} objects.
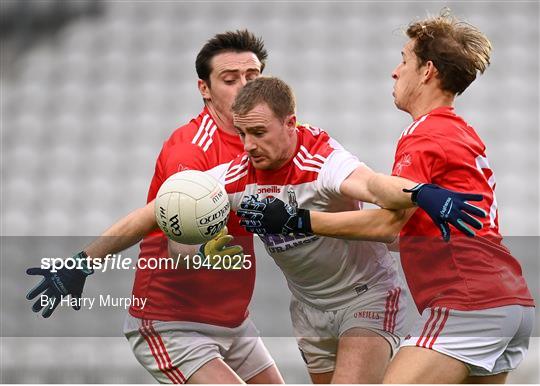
[
  {"x": 272, "y": 216},
  {"x": 448, "y": 207},
  {"x": 218, "y": 250},
  {"x": 55, "y": 285}
]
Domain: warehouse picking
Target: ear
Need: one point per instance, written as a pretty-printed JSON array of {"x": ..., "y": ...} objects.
[
  {"x": 290, "y": 122},
  {"x": 430, "y": 71},
  {"x": 204, "y": 89}
]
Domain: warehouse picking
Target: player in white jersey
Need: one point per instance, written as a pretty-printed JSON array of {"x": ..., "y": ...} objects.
[
  {"x": 348, "y": 301},
  {"x": 347, "y": 298}
]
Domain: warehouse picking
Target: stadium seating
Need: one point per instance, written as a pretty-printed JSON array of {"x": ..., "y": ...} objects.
[{"x": 85, "y": 109}]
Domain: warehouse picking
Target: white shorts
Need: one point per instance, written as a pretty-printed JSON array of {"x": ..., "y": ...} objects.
[
  {"x": 173, "y": 351},
  {"x": 317, "y": 331},
  {"x": 490, "y": 341}
]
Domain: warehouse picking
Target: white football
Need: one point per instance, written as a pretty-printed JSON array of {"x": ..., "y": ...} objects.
[{"x": 191, "y": 207}]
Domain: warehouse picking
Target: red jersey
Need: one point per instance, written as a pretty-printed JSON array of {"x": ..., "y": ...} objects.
[
  {"x": 466, "y": 273},
  {"x": 199, "y": 295}
]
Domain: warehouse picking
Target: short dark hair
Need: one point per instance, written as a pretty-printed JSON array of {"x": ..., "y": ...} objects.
[
  {"x": 277, "y": 94},
  {"x": 457, "y": 49},
  {"x": 230, "y": 41}
]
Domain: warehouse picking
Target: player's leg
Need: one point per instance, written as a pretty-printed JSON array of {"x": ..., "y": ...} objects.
[
  {"x": 452, "y": 346},
  {"x": 321, "y": 378},
  {"x": 317, "y": 338},
  {"x": 513, "y": 354},
  {"x": 249, "y": 358},
  {"x": 174, "y": 352},
  {"x": 424, "y": 356},
  {"x": 270, "y": 375},
  {"x": 362, "y": 357},
  {"x": 216, "y": 371},
  {"x": 421, "y": 365},
  {"x": 489, "y": 379},
  {"x": 369, "y": 330}
]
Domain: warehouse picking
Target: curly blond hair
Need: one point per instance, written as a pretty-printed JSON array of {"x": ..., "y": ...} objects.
[{"x": 457, "y": 49}]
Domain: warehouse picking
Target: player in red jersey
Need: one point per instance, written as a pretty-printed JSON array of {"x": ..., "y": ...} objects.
[
  {"x": 184, "y": 331},
  {"x": 477, "y": 313}
]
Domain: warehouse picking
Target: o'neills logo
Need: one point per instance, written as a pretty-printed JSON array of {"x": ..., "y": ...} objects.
[
  {"x": 271, "y": 189},
  {"x": 366, "y": 315}
]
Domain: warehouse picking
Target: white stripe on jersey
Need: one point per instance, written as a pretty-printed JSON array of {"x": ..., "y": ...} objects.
[
  {"x": 204, "y": 138},
  {"x": 413, "y": 126},
  {"x": 240, "y": 165},
  {"x": 228, "y": 181},
  {"x": 309, "y": 161},
  {"x": 234, "y": 170},
  {"x": 201, "y": 129},
  {"x": 302, "y": 167},
  {"x": 308, "y": 154},
  {"x": 238, "y": 171},
  {"x": 204, "y": 135},
  {"x": 405, "y": 130},
  {"x": 304, "y": 160},
  {"x": 417, "y": 123},
  {"x": 210, "y": 140}
]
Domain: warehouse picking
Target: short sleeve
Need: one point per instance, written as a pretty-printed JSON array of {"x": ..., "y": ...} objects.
[
  {"x": 339, "y": 165},
  {"x": 419, "y": 158}
]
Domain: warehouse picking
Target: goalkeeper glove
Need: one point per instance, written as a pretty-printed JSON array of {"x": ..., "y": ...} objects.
[
  {"x": 446, "y": 207},
  {"x": 55, "y": 285},
  {"x": 273, "y": 216},
  {"x": 217, "y": 248}
]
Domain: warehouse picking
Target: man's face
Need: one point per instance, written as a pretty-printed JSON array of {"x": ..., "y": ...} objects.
[
  {"x": 269, "y": 141},
  {"x": 408, "y": 79},
  {"x": 230, "y": 72}
]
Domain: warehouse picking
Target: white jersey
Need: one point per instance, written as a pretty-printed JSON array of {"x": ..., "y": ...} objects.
[{"x": 324, "y": 272}]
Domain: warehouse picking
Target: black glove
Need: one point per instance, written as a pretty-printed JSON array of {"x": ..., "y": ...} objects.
[
  {"x": 55, "y": 285},
  {"x": 273, "y": 216},
  {"x": 448, "y": 207}
]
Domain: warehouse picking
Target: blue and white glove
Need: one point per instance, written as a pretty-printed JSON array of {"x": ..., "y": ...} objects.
[
  {"x": 446, "y": 207},
  {"x": 273, "y": 216},
  {"x": 55, "y": 285}
]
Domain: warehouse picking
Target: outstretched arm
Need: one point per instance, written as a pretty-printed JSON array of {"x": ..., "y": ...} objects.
[
  {"x": 444, "y": 207},
  {"x": 385, "y": 191},
  {"x": 271, "y": 215},
  {"x": 125, "y": 233},
  {"x": 65, "y": 281},
  {"x": 369, "y": 224}
]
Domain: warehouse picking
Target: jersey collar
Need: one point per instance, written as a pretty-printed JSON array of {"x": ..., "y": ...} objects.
[
  {"x": 225, "y": 136},
  {"x": 443, "y": 110}
]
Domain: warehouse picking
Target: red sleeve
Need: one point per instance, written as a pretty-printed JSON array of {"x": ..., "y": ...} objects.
[
  {"x": 172, "y": 159},
  {"x": 419, "y": 158}
]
